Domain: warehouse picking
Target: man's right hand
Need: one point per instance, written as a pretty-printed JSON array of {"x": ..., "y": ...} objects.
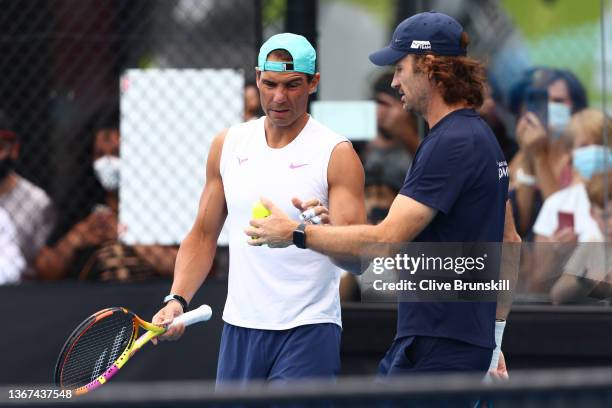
[
  {"x": 531, "y": 134},
  {"x": 164, "y": 317}
]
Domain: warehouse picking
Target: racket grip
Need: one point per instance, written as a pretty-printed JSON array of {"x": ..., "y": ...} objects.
[{"x": 200, "y": 314}]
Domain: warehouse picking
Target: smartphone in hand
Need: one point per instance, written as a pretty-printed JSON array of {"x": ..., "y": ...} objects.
[
  {"x": 565, "y": 220},
  {"x": 536, "y": 101}
]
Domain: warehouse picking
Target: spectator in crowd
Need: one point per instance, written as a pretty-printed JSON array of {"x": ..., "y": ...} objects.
[
  {"x": 565, "y": 217},
  {"x": 390, "y": 154},
  {"x": 588, "y": 271},
  {"x": 586, "y": 129},
  {"x": 252, "y": 106},
  {"x": 28, "y": 206},
  {"x": 542, "y": 165},
  {"x": 91, "y": 249},
  {"x": 384, "y": 177},
  {"x": 396, "y": 127},
  {"x": 12, "y": 263}
]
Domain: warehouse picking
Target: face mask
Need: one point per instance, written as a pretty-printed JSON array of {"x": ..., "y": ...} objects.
[
  {"x": 558, "y": 117},
  {"x": 107, "y": 172},
  {"x": 590, "y": 160},
  {"x": 6, "y": 166},
  {"x": 377, "y": 214}
]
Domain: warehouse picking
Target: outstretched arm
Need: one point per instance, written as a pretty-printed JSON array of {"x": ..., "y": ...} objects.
[{"x": 406, "y": 219}]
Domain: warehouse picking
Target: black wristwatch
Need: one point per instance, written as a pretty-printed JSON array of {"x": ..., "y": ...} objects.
[
  {"x": 299, "y": 236},
  {"x": 179, "y": 299}
]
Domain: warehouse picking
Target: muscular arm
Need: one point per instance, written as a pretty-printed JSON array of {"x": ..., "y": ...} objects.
[
  {"x": 196, "y": 253},
  {"x": 345, "y": 180}
]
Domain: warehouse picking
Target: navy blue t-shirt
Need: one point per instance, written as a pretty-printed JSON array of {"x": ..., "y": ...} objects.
[{"x": 460, "y": 171}]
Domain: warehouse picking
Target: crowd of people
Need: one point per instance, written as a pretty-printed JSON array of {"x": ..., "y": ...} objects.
[{"x": 37, "y": 247}]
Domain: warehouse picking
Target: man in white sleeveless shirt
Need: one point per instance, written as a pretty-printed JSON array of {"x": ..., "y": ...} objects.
[{"x": 282, "y": 314}]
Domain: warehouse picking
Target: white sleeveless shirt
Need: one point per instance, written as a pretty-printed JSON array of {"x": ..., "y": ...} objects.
[{"x": 276, "y": 289}]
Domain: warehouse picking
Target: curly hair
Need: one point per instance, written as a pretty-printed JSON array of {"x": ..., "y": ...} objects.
[{"x": 462, "y": 79}]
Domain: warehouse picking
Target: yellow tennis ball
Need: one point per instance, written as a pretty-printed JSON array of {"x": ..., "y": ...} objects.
[{"x": 260, "y": 211}]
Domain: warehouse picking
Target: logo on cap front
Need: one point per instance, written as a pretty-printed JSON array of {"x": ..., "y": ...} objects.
[{"x": 421, "y": 45}]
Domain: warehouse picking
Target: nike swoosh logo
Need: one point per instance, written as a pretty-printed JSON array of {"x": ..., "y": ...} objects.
[
  {"x": 297, "y": 166},
  {"x": 240, "y": 161}
]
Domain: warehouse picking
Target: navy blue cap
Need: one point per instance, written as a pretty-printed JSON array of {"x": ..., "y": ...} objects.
[{"x": 428, "y": 32}]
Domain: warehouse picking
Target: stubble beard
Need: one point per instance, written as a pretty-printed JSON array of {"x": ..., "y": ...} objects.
[{"x": 419, "y": 107}]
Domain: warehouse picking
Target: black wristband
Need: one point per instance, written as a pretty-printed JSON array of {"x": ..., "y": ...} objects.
[{"x": 179, "y": 299}]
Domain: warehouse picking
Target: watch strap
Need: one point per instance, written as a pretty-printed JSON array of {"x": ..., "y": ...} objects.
[{"x": 179, "y": 299}]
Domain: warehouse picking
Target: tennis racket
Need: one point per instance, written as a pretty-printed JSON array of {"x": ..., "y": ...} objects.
[{"x": 104, "y": 342}]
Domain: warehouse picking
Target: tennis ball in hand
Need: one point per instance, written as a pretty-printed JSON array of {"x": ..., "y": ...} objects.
[{"x": 260, "y": 211}]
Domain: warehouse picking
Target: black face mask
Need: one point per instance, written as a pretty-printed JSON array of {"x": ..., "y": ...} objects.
[
  {"x": 6, "y": 166},
  {"x": 377, "y": 214}
]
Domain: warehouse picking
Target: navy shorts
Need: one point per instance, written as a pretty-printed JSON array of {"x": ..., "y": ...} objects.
[
  {"x": 420, "y": 354},
  {"x": 309, "y": 351}
]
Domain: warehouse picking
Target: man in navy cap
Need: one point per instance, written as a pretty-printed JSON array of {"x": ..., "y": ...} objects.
[{"x": 456, "y": 191}]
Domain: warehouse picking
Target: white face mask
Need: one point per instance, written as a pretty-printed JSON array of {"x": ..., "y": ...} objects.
[
  {"x": 558, "y": 117},
  {"x": 107, "y": 172}
]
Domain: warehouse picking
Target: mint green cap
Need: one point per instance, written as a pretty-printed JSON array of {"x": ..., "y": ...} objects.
[{"x": 303, "y": 54}]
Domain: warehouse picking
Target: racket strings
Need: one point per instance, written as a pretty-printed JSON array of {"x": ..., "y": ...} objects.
[{"x": 96, "y": 349}]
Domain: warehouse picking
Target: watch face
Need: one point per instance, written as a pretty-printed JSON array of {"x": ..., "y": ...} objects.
[{"x": 299, "y": 239}]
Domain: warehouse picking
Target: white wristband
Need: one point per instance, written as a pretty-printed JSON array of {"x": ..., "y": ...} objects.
[
  {"x": 525, "y": 179},
  {"x": 499, "y": 334}
]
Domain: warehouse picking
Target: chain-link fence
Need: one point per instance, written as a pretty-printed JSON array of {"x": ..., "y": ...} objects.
[{"x": 144, "y": 86}]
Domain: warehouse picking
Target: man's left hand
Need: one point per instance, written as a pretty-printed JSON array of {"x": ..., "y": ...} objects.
[
  {"x": 501, "y": 373},
  {"x": 276, "y": 230}
]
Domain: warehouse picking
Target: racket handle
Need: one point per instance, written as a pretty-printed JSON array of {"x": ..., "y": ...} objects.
[{"x": 200, "y": 314}]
